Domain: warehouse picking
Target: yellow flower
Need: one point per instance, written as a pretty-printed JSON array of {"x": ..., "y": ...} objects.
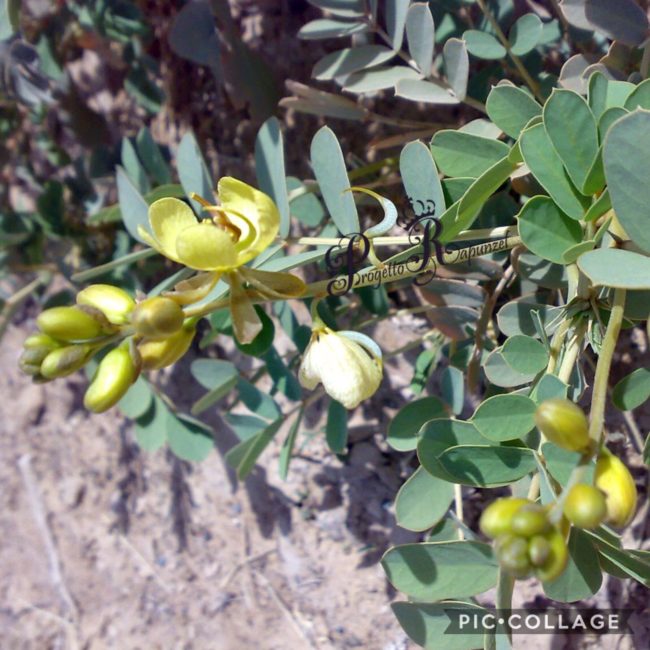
[
  {"x": 350, "y": 370},
  {"x": 240, "y": 228}
]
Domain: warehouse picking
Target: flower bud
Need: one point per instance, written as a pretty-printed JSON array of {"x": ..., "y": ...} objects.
[
  {"x": 160, "y": 354},
  {"x": 157, "y": 318},
  {"x": 615, "y": 480},
  {"x": 63, "y": 361},
  {"x": 564, "y": 424},
  {"x": 496, "y": 518},
  {"x": 70, "y": 324},
  {"x": 558, "y": 556},
  {"x": 113, "y": 377},
  {"x": 115, "y": 303},
  {"x": 512, "y": 553},
  {"x": 538, "y": 550},
  {"x": 585, "y": 506},
  {"x": 40, "y": 340},
  {"x": 529, "y": 520},
  {"x": 348, "y": 364}
]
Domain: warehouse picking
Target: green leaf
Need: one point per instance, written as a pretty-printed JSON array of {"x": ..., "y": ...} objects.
[
  {"x": 598, "y": 208},
  {"x": 639, "y": 97},
  {"x": 614, "y": 267},
  {"x": 396, "y": 13},
  {"x": 605, "y": 93},
  {"x": 499, "y": 373},
  {"x": 452, "y": 388},
  {"x": 422, "y": 501},
  {"x": 542, "y": 272},
  {"x": 134, "y": 209},
  {"x": 505, "y": 417},
  {"x": 350, "y": 59},
  {"x": 511, "y": 108},
  {"x": 607, "y": 119},
  {"x": 379, "y": 78},
  {"x": 525, "y": 34},
  {"x": 188, "y": 438},
  {"x": 426, "y": 624},
  {"x": 137, "y": 400},
  {"x": 263, "y": 341},
  {"x": 516, "y": 317},
  {"x": 244, "y": 455},
  {"x": 133, "y": 167},
  {"x": 331, "y": 174},
  {"x": 575, "y": 138},
  {"x": 483, "y": 45},
  {"x": 561, "y": 463},
  {"x": 269, "y": 168},
  {"x": 192, "y": 170},
  {"x": 420, "y": 177},
  {"x": 244, "y": 425},
  {"x": 219, "y": 377},
  {"x": 336, "y": 428},
  {"x": 256, "y": 401},
  {"x": 582, "y": 577},
  {"x": 626, "y": 156},
  {"x": 9, "y": 18},
  {"x": 549, "y": 387},
  {"x": 404, "y": 427},
  {"x": 152, "y": 157},
  {"x": 330, "y": 28},
  {"x": 625, "y": 560},
  {"x": 546, "y": 166},
  {"x": 546, "y": 230},
  {"x": 428, "y": 92},
  {"x": 434, "y": 570},
  {"x": 623, "y": 21},
  {"x": 525, "y": 354},
  {"x": 421, "y": 35},
  {"x": 633, "y": 390},
  {"x": 151, "y": 427},
  {"x": 462, "y": 154},
  {"x": 286, "y": 452},
  {"x": 483, "y": 466},
  {"x": 456, "y": 59},
  {"x": 284, "y": 380}
]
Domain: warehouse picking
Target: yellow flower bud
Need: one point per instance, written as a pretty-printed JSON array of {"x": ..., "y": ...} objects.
[
  {"x": 564, "y": 424},
  {"x": 39, "y": 341},
  {"x": 160, "y": 354},
  {"x": 70, "y": 324},
  {"x": 497, "y": 517},
  {"x": 512, "y": 553},
  {"x": 530, "y": 520},
  {"x": 585, "y": 506},
  {"x": 115, "y": 303},
  {"x": 157, "y": 318},
  {"x": 350, "y": 370},
  {"x": 615, "y": 480},
  {"x": 63, "y": 361},
  {"x": 113, "y": 377},
  {"x": 557, "y": 558}
]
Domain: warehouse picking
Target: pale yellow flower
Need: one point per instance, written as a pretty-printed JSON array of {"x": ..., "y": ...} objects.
[{"x": 350, "y": 370}]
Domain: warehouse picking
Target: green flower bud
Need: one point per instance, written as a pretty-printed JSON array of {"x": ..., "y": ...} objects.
[
  {"x": 160, "y": 354},
  {"x": 63, "y": 361},
  {"x": 557, "y": 558},
  {"x": 564, "y": 424},
  {"x": 157, "y": 318},
  {"x": 113, "y": 378},
  {"x": 115, "y": 303},
  {"x": 70, "y": 324},
  {"x": 512, "y": 553},
  {"x": 40, "y": 340},
  {"x": 538, "y": 550},
  {"x": 585, "y": 506},
  {"x": 529, "y": 520},
  {"x": 31, "y": 369},
  {"x": 496, "y": 518},
  {"x": 615, "y": 480}
]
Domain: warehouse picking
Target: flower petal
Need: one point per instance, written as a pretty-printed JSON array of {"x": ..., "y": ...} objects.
[
  {"x": 246, "y": 322},
  {"x": 206, "y": 247},
  {"x": 309, "y": 375},
  {"x": 257, "y": 208},
  {"x": 274, "y": 284},
  {"x": 190, "y": 291},
  {"x": 168, "y": 218}
]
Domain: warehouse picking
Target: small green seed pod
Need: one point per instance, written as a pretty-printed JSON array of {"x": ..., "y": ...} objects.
[
  {"x": 40, "y": 340},
  {"x": 62, "y": 362},
  {"x": 530, "y": 520},
  {"x": 496, "y": 518},
  {"x": 160, "y": 354},
  {"x": 512, "y": 553},
  {"x": 557, "y": 558},
  {"x": 564, "y": 424},
  {"x": 69, "y": 324},
  {"x": 157, "y": 318},
  {"x": 538, "y": 550},
  {"x": 585, "y": 506},
  {"x": 113, "y": 378},
  {"x": 115, "y": 303}
]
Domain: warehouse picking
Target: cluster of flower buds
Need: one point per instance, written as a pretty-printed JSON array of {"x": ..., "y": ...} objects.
[
  {"x": 149, "y": 335},
  {"x": 526, "y": 541},
  {"x": 612, "y": 499}
]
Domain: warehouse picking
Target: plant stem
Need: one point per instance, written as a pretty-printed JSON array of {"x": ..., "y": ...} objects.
[
  {"x": 521, "y": 68},
  {"x": 505, "y": 589},
  {"x": 458, "y": 506}
]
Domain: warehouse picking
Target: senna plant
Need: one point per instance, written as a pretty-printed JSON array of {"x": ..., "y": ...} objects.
[{"x": 523, "y": 237}]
